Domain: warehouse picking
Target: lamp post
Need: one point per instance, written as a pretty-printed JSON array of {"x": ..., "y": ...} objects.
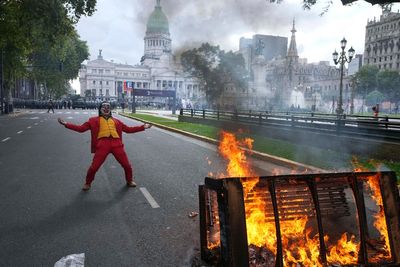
[
  {"x": 174, "y": 97},
  {"x": 341, "y": 58},
  {"x": 133, "y": 99}
]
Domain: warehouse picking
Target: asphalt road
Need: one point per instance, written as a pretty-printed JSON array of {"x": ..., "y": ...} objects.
[{"x": 45, "y": 215}]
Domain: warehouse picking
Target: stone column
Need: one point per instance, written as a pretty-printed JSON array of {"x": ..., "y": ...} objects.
[{"x": 259, "y": 84}]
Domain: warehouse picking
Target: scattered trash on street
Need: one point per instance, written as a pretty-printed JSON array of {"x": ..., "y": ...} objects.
[
  {"x": 193, "y": 214},
  {"x": 73, "y": 260}
]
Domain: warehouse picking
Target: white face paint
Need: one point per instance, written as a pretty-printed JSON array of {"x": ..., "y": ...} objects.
[{"x": 105, "y": 109}]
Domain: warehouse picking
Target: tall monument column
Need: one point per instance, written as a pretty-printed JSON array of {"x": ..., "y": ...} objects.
[{"x": 259, "y": 71}]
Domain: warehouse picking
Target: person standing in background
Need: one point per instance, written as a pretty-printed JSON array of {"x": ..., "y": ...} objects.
[{"x": 50, "y": 105}]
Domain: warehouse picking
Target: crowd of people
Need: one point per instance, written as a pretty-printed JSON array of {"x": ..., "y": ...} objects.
[
  {"x": 90, "y": 104},
  {"x": 41, "y": 104},
  {"x": 55, "y": 104}
]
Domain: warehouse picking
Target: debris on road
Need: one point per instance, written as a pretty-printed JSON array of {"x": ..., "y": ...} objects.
[
  {"x": 73, "y": 260},
  {"x": 193, "y": 214}
]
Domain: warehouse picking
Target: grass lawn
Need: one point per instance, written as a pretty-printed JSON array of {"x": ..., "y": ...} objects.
[
  {"x": 199, "y": 129},
  {"x": 322, "y": 158}
]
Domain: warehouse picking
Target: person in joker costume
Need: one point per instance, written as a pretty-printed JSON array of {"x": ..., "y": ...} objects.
[{"x": 106, "y": 138}]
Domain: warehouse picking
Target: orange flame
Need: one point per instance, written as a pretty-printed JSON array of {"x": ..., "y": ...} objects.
[
  {"x": 380, "y": 220},
  {"x": 232, "y": 150},
  {"x": 345, "y": 251},
  {"x": 379, "y": 217}
]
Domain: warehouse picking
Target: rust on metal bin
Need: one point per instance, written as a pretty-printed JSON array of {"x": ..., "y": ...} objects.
[{"x": 223, "y": 217}]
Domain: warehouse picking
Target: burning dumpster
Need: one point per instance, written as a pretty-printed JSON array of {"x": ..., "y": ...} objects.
[{"x": 329, "y": 219}]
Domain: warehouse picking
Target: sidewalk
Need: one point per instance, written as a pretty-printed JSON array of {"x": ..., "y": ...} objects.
[{"x": 159, "y": 113}]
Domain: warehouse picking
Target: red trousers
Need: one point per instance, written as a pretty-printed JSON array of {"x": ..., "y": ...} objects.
[{"x": 104, "y": 147}]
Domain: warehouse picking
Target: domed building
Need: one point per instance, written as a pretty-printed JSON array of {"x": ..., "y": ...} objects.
[
  {"x": 157, "y": 71},
  {"x": 157, "y": 41}
]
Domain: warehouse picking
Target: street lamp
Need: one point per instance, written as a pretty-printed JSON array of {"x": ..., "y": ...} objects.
[
  {"x": 133, "y": 98},
  {"x": 174, "y": 97},
  {"x": 340, "y": 58}
]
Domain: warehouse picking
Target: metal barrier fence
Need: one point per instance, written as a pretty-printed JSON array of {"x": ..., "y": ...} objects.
[{"x": 375, "y": 127}]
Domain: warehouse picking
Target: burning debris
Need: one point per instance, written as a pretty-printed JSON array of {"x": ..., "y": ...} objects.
[
  {"x": 260, "y": 256},
  {"x": 298, "y": 220}
]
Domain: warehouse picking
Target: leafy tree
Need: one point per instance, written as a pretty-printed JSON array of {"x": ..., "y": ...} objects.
[
  {"x": 215, "y": 69},
  {"x": 233, "y": 66},
  {"x": 29, "y": 28},
  {"x": 307, "y": 4},
  {"x": 365, "y": 80},
  {"x": 375, "y": 97},
  {"x": 201, "y": 63},
  {"x": 55, "y": 66},
  {"x": 371, "y": 83},
  {"x": 389, "y": 84}
]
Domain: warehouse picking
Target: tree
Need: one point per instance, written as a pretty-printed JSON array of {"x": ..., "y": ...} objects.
[
  {"x": 389, "y": 84},
  {"x": 55, "y": 66},
  {"x": 31, "y": 27},
  {"x": 381, "y": 85},
  {"x": 307, "y": 4},
  {"x": 366, "y": 80},
  {"x": 201, "y": 63},
  {"x": 375, "y": 97},
  {"x": 215, "y": 69}
]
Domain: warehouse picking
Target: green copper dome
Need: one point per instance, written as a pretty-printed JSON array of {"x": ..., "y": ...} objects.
[{"x": 158, "y": 22}]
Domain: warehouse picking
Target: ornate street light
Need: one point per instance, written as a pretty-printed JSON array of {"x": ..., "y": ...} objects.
[{"x": 340, "y": 58}]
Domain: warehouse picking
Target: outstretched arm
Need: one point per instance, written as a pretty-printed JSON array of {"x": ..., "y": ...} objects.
[
  {"x": 78, "y": 128},
  {"x": 134, "y": 129},
  {"x": 61, "y": 121}
]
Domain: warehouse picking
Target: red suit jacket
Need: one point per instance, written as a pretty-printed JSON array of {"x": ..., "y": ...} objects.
[{"x": 93, "y": 124}]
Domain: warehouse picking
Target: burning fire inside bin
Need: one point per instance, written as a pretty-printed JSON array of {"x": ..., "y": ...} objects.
[{"x": 300, "y": 242}]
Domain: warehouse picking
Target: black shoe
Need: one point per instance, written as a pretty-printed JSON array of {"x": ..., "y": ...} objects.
[{"x": 86, "y": 187}]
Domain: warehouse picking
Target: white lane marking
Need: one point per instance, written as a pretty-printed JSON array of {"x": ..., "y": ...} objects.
[
  {"x": 8, "y": 138},
  {"x": 76, "y": 112},
  {"x": 35, "y": 123},
  {"x": 19, "y": 132},
  {"x": 34, "y": 118},
  {"x": 29, "y": 127},
  {"x": 85, "y": 112},
  {"x": 149, "y": 198},
  {"x": 70, "y": 118}
]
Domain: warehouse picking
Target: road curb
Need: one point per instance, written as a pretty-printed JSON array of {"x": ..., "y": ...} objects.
[{"x": 259, "y": 155}]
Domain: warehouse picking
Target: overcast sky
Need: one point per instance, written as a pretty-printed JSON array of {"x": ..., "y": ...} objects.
[{"x": 118, "y": 27}]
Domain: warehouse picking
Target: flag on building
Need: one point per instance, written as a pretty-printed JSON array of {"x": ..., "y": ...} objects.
[{"x": 128, "y": 86}]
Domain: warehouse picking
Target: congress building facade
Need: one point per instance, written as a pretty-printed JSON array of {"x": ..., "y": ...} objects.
[{"x": 158, "y": 69}]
